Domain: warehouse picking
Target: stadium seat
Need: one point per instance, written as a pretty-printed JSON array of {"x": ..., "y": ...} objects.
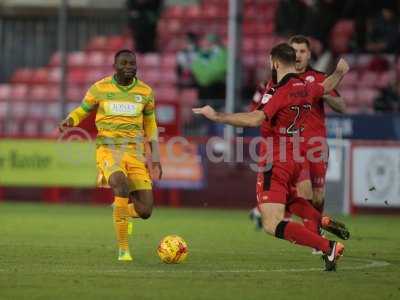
[
  {"x": 385, "y": 79},
  {"x": 150, "y": 60},
  {"x": 53, "y": 110},
  {"x": 340, "y": 35},
  {"x": 77, "y": 59},
  {"x": 366, "y": 96},
  {"x": 77, "y": 76},
  {"x": 98, "y": 43},
  {"x": 49, "y": 125},
  {"x": 248, "y": 44},
  {"x": 38, "y": 93},
  {"x": 54, "y": 75},
  {"x": 150, "y": 76},
  {"x": 19, "y": 92},
  {"x": 40, "y": 76},
  {"x": 5, "y": 92},
  {"x": 368, "y": 79},
  {"x": 193, "y": 12},
  {"x": 350, "y": 80},
  {"x": 31, "y": 127},
  {"x": 55, "y": 60},
  {"x": 174, "y": 11},
  {"x": 169, "y": 77},
  {"x": 37, "y": 109},
  {"x": 96, "y": 59},
  {"x": 168, "y": 61},
  {"x": 75, "y": 93},
  {"x": 116, "y": 42},
  {"x": 349, "y": 95},
  {"x": 22, "y": 76},
  {"x": 3, "y": 109},
  {"x": 166, "y": 93},
  {"x": 19, "y": 109}
]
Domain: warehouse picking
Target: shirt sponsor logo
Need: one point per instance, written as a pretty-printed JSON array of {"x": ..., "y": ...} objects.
[
  {"x": 266, "y": 98},
  {"x": 121, "y": 109},
  {"x": 310, "y": 78}
]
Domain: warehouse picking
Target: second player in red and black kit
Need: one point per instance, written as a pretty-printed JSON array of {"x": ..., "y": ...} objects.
[
  {"x": 315, "y": 143},
  {"x": 285, "y": 107}
]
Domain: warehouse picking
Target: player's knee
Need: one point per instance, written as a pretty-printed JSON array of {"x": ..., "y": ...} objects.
[{"x": 119, "y": 183}]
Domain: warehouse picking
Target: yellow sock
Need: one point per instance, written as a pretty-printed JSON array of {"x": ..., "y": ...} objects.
[
  {"x": 120, "y": 217},
  {"x": 132, "y": 212}
]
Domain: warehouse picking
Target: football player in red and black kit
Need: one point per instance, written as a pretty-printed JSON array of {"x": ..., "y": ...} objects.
[
  {"x": 314, "y": 135},
  {"x": 285, "y": 106}
]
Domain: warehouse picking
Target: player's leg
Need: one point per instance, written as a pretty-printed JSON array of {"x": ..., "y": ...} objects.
[
  {"x": 143, "y": 202},
  {"x": 120, "y": 185}
]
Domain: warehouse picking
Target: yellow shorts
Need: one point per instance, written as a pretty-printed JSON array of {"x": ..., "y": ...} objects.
[{"x": 124, "y": 158}]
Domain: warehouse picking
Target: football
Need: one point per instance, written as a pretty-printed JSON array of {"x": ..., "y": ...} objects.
[{"x": 172, "y": 249}]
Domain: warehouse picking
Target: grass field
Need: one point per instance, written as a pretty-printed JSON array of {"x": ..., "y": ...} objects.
[{"x": 67, "y": 252}]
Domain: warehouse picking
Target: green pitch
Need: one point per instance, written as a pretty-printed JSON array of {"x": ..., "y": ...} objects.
[{"x": 68, "y": 252}]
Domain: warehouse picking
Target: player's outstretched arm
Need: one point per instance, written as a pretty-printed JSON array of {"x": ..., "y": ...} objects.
[
  {"x": 336, "y": 103},
  {"x": 331, "y": 82},
  {"x": 244, "y": 119},
  {"x": 73, "y": 119}
]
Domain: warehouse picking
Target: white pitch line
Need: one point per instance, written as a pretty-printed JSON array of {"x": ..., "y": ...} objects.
[{"x": 370, "y": 264}]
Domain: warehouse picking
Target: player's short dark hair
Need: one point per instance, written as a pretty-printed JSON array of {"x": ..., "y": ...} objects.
[
  {"x": 122, "y": 52},
  {"x": 300, "y": 39},
  {"x": 284, "y": 53}
]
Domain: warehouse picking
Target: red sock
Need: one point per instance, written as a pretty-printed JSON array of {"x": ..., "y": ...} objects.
[
  {"x": 298, "y": 234},
  {"x": 303, "y": 208}
]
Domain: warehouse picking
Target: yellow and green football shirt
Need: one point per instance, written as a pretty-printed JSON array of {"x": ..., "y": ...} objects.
[{"x": 124, "y": 114}]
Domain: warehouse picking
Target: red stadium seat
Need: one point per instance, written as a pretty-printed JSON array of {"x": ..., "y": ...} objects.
[
  {"x": 22, "y": 76},
  {"x": 248, "y": 44},
  {"x": 5, "y": 92},
  {"x": 189, "y": 96},
  {"x": 3, "y": 109},
  {"x": 117, "y": 42},
  {"x": 77, "y": 59},
  {"x": 351, "y": 79},
  {"x": 166, "y": 93},
  {"x": 38, "y": 93},
  {"x": 98, "y": 43},
  {"x": 168, "y": 61},
  {"x": 151, "y": 60},
  {"x": 150, "y": 76},
  {"x": 19, "y": 109},
  {"x": 49, "y": 125},
  {"x": 96, "y": 59},
  {"x": 19, "y": 92},
  {"x": 55, "y": 60},
  {"x": 40, "y": 76},
  {"x": 75, "y": 93},
  {"x": 368, "y": 79},
  {"x": 265, "y": 44},
  {"x": 77, "y": 76},
  {"x": 168, "y": 77},
  {"x": 37, "y": 109},
  {"x": 385, "y": 79},
  {"x": 193, "y": 12},
  {"x": 31, "y": 127},
  {"x": 367, "y": 96},
  {"x": 55, "y": 75},
  {"x": 349, "y": 95},
  {"x": 174, "y": 11}
]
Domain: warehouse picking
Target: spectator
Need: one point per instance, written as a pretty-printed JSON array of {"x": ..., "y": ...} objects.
[
  {"x": 185, "y": 58},
  {"x": 382, "y": 31},
  {"x": 209, "y": 68},
  {"x": 388, "y": 100},
  {"x": 143, "y": 17},
  {"x": 290, "y": 17}
]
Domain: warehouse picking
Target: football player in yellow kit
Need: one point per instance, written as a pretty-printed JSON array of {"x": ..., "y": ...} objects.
[{"x": 125, "y": 120}]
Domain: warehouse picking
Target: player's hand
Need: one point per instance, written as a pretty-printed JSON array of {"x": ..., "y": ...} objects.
[
  {"x": 206, "y": 111},
  {"x": 342, "y": 66},
  {"x": 156, "y": 171},
  {"x": 65, "y": 124}
]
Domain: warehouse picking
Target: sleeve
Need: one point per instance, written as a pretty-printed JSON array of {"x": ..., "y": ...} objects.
[
  {"x": 315, "y": 90},
  {"x": 149, "y": 119},
  {"x": 90, "y": 100},
  {"x": 88, "y": 104},
  {"x": 272, "y": 103}
]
